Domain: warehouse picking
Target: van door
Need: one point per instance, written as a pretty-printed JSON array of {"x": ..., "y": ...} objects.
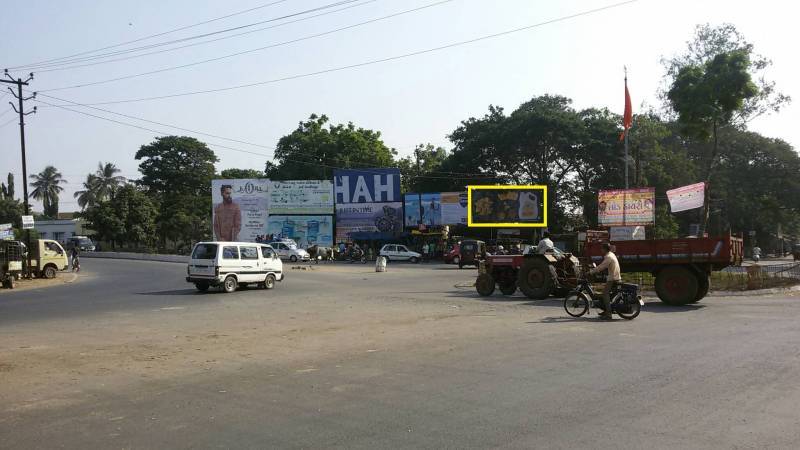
[
  {"x": 229, "y": 261},
  {"x": 251, "y": 265},
  {"x": 270, "y": 261}
]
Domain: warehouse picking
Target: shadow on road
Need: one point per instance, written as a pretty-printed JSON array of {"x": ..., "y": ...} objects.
[
  {"x": 173, "y": 292},
  {"x": 660, "y": 307}
]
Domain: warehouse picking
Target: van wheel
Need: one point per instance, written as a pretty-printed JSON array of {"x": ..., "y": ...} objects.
[
  {"x": 49, "y": 272},
  {"x": 293, "y": 258},
  {"x": 201, "y": 286},
  {"x": 269, "y": 282},
  {"x": 230, "y": 284}
]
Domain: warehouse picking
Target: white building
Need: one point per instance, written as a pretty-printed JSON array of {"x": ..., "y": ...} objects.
[{"x": 60, "y": 230}]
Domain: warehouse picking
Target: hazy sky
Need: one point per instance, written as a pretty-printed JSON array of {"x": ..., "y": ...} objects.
[{"x": 415, "y": 100}]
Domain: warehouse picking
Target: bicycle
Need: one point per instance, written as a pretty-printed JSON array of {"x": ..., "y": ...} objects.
[{"x": 625, "y": 300}]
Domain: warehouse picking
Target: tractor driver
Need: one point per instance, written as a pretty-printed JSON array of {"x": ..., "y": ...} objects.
[
  {"x": 545, "y": 245},
  {"x": 611, "y": 264}
]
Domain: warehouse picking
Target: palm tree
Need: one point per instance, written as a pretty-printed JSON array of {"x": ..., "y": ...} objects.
[
  {"x": 46, "y": 187},
  {"x": 88, "y": 196},
  {"x": 107, "y": 180}
]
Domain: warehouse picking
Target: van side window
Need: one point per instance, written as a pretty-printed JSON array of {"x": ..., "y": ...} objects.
[
  {"x": 267, "y": 253},
  {"x": 230, "y": 252},
  {"x": 249, "y": 253}
]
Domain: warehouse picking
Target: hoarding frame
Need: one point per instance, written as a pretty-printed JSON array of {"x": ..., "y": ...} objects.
[{"x": 542, "y": 224}]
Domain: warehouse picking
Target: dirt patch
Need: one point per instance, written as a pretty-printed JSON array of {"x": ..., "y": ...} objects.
[{"x": 39, "y": 283}]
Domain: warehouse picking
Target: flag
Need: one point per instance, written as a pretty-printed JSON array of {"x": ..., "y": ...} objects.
[{"x": 627, "y": 118}]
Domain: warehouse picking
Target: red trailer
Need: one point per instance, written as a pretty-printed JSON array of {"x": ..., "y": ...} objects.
[{"x": 682, "y": 267}]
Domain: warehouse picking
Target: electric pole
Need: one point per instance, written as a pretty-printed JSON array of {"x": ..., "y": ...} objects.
[
  {"x": 419, "y": 191},
  {"x": 20, "y": 109}
]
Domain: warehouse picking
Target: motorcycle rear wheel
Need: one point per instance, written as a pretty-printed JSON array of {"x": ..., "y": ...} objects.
[
  {"x": 576, "y": 304},
  {"x": 635, "y": 308}
]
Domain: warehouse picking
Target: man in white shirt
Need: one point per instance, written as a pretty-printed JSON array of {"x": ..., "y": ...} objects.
[
  {"x": 611, "y": 264},
  {"x": 545, "y": 244}
]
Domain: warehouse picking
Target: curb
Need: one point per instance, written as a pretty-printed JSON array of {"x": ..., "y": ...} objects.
[{"x": 137, "y": 256}]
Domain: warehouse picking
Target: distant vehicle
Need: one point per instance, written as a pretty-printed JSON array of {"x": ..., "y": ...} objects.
[
  {"x": 397, "y": 252},
  {"x": 10, "y": 262},
  {"x": 453, "y": 256},
  {"x": 288, "y": 249},
  {"x": 48, "y": 257},
  {"x": 231, "y": 265},
  {"x": 471, "y": 253},
  {"x": 83, "y": 243}
]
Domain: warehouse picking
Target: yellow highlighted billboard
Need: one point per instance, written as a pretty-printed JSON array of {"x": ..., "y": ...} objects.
[{"x": 507, "y": 206}]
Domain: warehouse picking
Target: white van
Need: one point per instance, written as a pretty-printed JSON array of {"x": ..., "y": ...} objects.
[{"x": 233, "y": 264}]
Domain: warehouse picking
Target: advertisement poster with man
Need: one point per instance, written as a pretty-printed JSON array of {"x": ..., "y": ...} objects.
[
  {"x": 368, "y": 202},
  {"x": 626, "y": 207},
  {"x": 305, "y": 230},
  {"x": 507, "y": 206},
  {"x": 239, "y": 209}
]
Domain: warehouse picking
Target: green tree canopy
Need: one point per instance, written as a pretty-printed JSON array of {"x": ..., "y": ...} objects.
[
  {"x": 127, "y": 219},
  {"x": 46, "y": 187},
  {"x": 316, "y": 147},
  {"x": 241, "y": 174}
]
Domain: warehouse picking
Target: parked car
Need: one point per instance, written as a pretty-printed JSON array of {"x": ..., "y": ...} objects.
[
  {"x": 471, "y": 253},
  {"x": 453, "y": 256},
  {"x": 397, "y": 252},
  {"x": 288, "y": 249},
  {"x": 48, "y": 257},
  {"x": 83, "y": 243},
  {"x": 231, "y": 265}
]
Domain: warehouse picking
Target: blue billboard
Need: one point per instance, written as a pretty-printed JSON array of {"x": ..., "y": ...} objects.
[
  {"x": 368, "y": 202},
  {"x": 366, "y": 186}
]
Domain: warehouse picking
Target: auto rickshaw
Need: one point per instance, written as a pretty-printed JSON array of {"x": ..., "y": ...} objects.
[{"x": 472, "y": 252}]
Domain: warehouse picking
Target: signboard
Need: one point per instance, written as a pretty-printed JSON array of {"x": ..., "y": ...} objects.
[
  {"x": 626, "y": 207},
  {"x": 368, "y": 202},
  {"x": 454, "y": 208},
  {"x": 305, "y": 230},
  {"x": 27, "y": 222},
  {"x": 687, "y": 197},
  {"x": 239, "y": 209},
  {"x": 627, "y": 234},
  {"x": 6, "y": 232},
  {"x": 301, "y": 197},
  {"x": 507, "y": 206}
]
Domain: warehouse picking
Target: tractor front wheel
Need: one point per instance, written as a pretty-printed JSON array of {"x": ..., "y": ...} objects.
[{"x": 485, "y": 285}]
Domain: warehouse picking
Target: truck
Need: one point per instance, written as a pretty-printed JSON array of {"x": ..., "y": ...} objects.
[
  {"x": 48, "y": 257},
  {"x": 681, "y": 267}
]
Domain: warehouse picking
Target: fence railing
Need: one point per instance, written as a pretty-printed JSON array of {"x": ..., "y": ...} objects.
[{"x": 737, "y": 278}]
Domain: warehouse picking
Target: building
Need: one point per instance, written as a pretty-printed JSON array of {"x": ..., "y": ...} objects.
[{"x": 62, "y": 229}]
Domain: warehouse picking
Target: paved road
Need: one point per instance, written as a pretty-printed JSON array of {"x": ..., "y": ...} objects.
[{"x": 342, "y": 357}]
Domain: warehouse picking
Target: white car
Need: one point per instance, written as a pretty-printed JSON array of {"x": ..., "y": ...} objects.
[
  {"x": 289, "y": 250},
  {"x": 233, "y": 264},
  {"x": 397, "y": 252}
]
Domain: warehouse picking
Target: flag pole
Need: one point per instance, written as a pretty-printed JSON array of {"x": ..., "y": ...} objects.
[{"x": 626, "y": 134}]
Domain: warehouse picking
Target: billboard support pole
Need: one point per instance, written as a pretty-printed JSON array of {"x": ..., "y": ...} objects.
[{"x": 419, "y": 190}]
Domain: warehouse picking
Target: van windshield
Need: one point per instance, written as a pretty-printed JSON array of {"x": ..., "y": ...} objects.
[{"x": 205, "y": 251}]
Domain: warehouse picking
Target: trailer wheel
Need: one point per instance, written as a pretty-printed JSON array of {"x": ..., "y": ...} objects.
[
  {"x": 535, "y": 279},
  {"x": 704, "y": 284},
  {"x": 677, "y": 285},
  {"x": 484, "y": 284}
]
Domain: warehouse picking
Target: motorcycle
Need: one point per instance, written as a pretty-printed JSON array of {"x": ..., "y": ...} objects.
[
  {"x": 625, "y": 300},
  {"x": 357, "y": 255}
]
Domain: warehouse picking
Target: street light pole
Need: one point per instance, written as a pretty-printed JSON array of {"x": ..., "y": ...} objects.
[{"x": 20, "y": 109}]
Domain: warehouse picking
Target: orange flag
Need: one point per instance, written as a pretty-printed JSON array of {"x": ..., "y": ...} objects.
[{"x": 627, "y": 118}]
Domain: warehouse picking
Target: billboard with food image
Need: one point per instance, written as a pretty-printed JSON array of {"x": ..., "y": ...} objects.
[{"x": 507, "y": 206}]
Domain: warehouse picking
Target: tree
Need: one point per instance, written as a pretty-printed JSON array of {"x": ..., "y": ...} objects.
[
  {"x": 88, "y": 195},
  {"x": 315, "y": 148},
  {"x": 425, "y": 177},
  {"x": 11, "y": 211},
  {"x": 8, "y": 189},
  {"x": 128, "y": 218},
  {"x": 241, "y": 174},
  {"x": 46, "y": 187},
  {"x": 176, "y": 174},
  {"x": 718, "y": 83},
  {"x": 99, "y": 186}
]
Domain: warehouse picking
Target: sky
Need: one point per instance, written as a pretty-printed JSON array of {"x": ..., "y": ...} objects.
[{"x": 419, "y": 99}]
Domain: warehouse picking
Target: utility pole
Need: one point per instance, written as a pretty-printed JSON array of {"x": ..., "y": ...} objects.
[
  {"x": 20, "y": 109},
  {"x": 419, "y": 190}
]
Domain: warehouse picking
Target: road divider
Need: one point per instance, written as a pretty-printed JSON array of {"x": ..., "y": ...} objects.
[{"x": 137, "y": 256}]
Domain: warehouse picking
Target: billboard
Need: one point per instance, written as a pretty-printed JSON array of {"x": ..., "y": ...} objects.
[
  {"x": 305, "y": 230},
  {"x": 507, "y": 206},
  {"x": 239, "y": 209},
  {"x": 454, "y": 208},
  {"x": 301, "y": 197},
  {"x": 626, "y": 207},
  {"x": 687, "y": 197},
  {"x": 6, "y": 232},
  {"x": 445, "y": 208},
  {"x": 368, "y": 201}
]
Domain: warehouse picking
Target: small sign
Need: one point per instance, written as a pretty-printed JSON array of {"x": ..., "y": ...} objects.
[
  {"x": 627, "y": 234},
  {"x": 27, "y": 222}
]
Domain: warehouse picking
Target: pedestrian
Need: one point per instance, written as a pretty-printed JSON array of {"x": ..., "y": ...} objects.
[
  {"x": 76, "y": 262},
  {"x": 424, "y": 252}
]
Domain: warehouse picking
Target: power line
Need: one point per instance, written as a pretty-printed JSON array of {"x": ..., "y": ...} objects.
[
  {"x": 230, "y": 55},
  {"x": 152, "y": 35},
  {"x": 8, "y": 122},
  {"x": 43, "y": 67},
  {"x": 141, "y": 55},
  {"x": 370, "y": 62}
]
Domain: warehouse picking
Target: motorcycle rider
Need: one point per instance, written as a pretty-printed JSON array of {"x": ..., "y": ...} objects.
[
  {"x": 611, "y": 264},
  {"x": 756, "y": 253}
]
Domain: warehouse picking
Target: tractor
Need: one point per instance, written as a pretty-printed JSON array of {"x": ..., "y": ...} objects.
[{"x": 537, "y": 276}]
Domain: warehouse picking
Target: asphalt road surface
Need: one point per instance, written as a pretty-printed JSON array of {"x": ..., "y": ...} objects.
[{"x": 130, "y": 356}]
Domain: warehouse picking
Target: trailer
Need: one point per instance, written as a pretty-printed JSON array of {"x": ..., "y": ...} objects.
[{"x": 681, "y": 267}]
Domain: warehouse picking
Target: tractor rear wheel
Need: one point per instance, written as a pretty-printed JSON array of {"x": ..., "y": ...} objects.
[
  {"x": 485, "y": 284},
  {"x": 535, "y": 279},
  {"x": 677, "y": 285}
]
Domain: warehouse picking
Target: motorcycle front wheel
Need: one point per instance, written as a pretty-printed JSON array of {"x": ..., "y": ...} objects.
[{"x": 576, "y": 304}]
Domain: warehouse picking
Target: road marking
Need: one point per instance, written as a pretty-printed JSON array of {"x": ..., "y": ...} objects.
[{"x": 310, "y": 369}]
